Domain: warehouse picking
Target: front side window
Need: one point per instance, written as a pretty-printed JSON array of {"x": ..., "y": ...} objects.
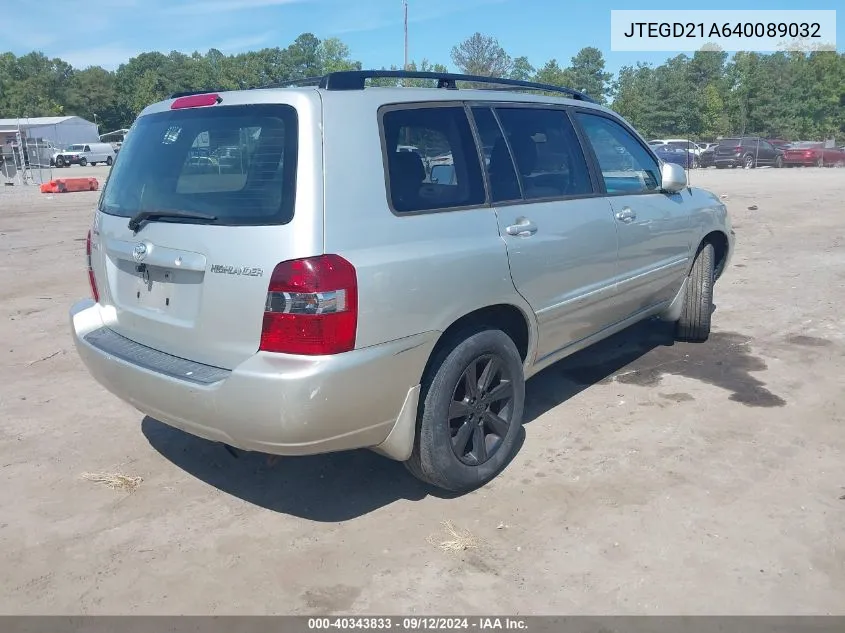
[
  {"x": 236, "y": 163},
  {"x": 432, "y": 161},
  {"x": 626, "y": 166}
]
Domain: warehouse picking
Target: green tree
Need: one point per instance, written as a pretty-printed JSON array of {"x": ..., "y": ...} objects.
[
  {"x": 482, "y": 55},
  {"x": 522, "y": 69},
  {"x": 588, "y": 74},
  {"x": 334, "y": 56}
]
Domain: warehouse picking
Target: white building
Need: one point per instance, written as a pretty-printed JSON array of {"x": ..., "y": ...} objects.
[{"x": 60, "y": 130}]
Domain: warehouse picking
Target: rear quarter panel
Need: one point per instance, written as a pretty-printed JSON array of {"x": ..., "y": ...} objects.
[{"x": 416, "y": 273}]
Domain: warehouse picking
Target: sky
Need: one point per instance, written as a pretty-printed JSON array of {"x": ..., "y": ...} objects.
[{"x": 109, "y": 32}]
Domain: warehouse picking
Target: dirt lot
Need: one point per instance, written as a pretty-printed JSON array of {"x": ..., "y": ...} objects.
[{"x": 655, "y": 478}]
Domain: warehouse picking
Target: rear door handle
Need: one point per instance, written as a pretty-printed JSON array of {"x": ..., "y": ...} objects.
[
  {"x": 523, "y": 228},
  {"x": 626, "y": 215}
]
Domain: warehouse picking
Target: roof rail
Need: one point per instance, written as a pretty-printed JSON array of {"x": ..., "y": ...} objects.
[{"x": 356, "y": 80}]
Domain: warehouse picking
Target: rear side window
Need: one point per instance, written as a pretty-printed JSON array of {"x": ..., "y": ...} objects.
[
  {"x": 547, "y": 153},
  {"x": 237, "y": 163},
  {"x": 626, "y": 166},
  {"x": 504, "y": 183},
  {"x": 431, "y": 159}
]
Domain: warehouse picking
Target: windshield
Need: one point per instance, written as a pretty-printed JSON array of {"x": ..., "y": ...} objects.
[{"x": 237, "y": 163}]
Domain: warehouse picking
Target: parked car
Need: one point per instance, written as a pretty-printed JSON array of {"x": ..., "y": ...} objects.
[
  {"x": 322, "y": 300},
  {"x": 691, "y": 146},
  {"x": 809, "y": 153},
  {"x": 779, "y": 143},
  {"x": 671, "y": 153},
  {"x": 747, "y": 151},
  {"x": 707, "y": 158},
  {"x": 84, "y": 153}
]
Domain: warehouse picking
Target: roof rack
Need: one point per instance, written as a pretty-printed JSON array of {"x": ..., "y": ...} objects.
[{"x": 356, "y": 80}]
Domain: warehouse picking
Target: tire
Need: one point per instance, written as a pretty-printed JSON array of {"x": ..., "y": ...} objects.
[
  {"x": 696, "y": 164},
  {"x": 439, "y": 438},
  {"x": 820, "y": 162},
  {"x": 694, "y": 324},
  {"x": 60, "y": 162},
  {"x": 779, "y": 162},
  {"x": 109, "y": 161},
  {"x": 93, "y": 164},
  {"x": 83, "y": 162},
  {"x": 748, "y": 161}
]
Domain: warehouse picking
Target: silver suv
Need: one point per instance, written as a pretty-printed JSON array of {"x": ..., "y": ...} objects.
[{"x": 323, "y": 291}]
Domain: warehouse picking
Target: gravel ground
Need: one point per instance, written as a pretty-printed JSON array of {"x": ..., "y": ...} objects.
[{"x": 655, "y": 478}]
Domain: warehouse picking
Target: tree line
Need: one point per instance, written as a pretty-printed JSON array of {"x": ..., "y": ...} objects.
[{"x": 791, "y": 95}]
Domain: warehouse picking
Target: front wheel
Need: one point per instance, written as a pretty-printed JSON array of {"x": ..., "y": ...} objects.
[
  {"x": 820, "y": 162},
  {"x": 60, "y": 162},
  {"x": 470, "y": 415},
  {"x": 779, "y": 162},
  {"x": 694, "y": 324}
]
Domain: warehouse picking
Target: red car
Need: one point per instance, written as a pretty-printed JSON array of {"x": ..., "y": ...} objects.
[{"x": 812, "y": 153}]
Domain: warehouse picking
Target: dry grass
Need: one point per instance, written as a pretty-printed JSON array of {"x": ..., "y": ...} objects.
[
  {"x": 457, "y": 541},
  {"x": 115, "y": 481}
]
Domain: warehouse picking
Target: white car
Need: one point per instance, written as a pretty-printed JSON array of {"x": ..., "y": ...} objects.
[
  {"x": 83, "y": 154},
  {"x": 691, "y": 146}
]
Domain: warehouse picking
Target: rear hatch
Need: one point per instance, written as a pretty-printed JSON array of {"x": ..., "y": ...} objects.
[
  {"x": 729, "y": 147},
  {"x": 234, "y": 194}
]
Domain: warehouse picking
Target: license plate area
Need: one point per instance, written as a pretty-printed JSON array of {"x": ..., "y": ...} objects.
[
  {"x": 154, "y": 286},
  {"x": 167, "y": 293}
]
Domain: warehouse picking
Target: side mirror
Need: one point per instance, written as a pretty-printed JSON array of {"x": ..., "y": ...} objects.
[{"x": 673, "y": 177}]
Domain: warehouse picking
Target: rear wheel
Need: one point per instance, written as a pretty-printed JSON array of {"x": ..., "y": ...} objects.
[
  {"x": 109, "y": 161},
  {"x": 748, "y": 161},
  {"x": 694, "y": 324},
  {"x": 779, "y": 162},
  {"x": 470, "y": 415},
  {"x": 93, "y": 164},
  {"x": 820, "y": 162},
  {"x": 60, "y": 162}
]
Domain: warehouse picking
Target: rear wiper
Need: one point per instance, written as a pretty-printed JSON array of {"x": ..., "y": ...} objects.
[{"x": 138, "y": 218}]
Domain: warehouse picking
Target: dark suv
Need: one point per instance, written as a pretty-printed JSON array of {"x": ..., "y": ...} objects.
[{"x": 747, "y": 151}]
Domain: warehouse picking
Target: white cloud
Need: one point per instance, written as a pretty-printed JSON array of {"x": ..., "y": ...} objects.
[
  {"x": 238, "y": 44},
  {"x": 358, "y": 17},
  {"x": 109, "y": 56}
]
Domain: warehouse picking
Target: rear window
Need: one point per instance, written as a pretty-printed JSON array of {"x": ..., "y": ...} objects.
[{"x": 237, "y": 163}]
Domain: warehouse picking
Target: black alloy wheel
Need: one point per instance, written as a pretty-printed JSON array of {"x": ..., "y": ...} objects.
[{"x": 481, "y": 411}]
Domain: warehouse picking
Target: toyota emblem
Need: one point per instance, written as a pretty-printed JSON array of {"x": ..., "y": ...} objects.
[{"x": 139, "y": 252}]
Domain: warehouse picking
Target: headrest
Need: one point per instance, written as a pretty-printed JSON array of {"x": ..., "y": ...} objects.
[{"x": 407, "y": 166}]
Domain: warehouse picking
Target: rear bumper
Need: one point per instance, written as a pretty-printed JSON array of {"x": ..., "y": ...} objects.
[
  {"x": 273, "y": 403},
  {"x": 799, "y": 160},
  {"x": 729, "y": 161}
]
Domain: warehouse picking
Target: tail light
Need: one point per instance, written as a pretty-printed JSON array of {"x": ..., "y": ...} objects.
[
  {"x": 808, "y": 154},
  {"x": 312, "y": 307},
  {"x": 91, "y": 279},
  {"x": 738, "y": 149}
]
